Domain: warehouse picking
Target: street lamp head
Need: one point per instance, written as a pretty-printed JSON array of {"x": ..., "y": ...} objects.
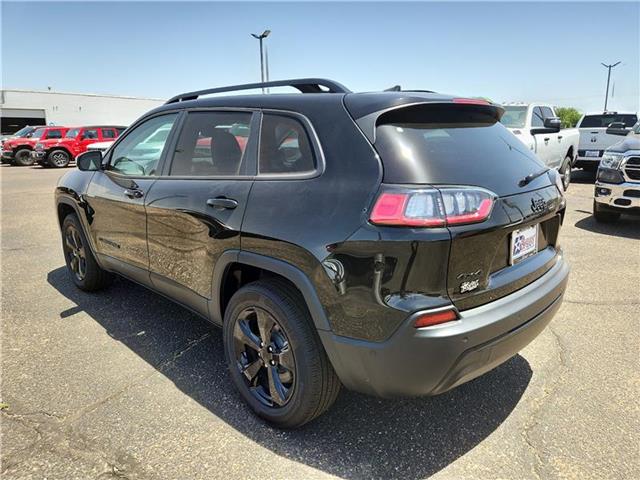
[{"x": 264, "y": 34}]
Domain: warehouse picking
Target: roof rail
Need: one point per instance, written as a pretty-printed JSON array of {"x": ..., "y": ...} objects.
[{"x": 305, "y": 85}]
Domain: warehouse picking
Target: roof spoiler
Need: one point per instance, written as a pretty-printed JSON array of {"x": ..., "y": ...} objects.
[{"x": 304, "y": 85}]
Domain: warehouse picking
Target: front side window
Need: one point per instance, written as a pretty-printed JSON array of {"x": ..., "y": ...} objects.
[
  {"x": 284, "y": 146},
  {"x": 537, "y": 120},
  {"x": 212, "y": 144},
  {"x": 54, "y": 134},
  {"x": 38, "y": 132},
  {"x": 547, "y": 112},
  {"x": 139, "y": 152}
]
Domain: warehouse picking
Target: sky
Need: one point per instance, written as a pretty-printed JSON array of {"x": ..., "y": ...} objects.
[{"x": 506, "y": 51}]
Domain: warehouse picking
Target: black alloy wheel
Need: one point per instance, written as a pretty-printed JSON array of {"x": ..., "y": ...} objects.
[
  {"x": 58, "y": 159},
  {"x": 263, "y": 357},
  {"x": 75, "y": 252},
  {"x": 23, "y": 158}
]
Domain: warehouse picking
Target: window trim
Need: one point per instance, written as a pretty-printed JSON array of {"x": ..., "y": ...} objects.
[
  {"x": 252, "y": 145},
  {"x": 314, "y": 141},
  {"x": 106, "y": 160}
]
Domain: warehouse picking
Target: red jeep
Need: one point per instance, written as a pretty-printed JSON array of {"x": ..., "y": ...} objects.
[
  {"x": 18, "y": 150},
  {"x": 58, "y": 153}
]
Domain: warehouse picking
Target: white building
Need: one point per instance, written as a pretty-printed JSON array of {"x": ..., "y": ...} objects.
[{"x": 29, "y": 107}]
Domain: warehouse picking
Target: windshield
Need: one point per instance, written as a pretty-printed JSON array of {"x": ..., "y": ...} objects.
[
  {"x": 514, "y": 117},
  {"x": 73, "y": 133},
  {"x": 38, "y": 133},
  {"x": 23, "y": 132},
  {"x": 603, "y": 121}
]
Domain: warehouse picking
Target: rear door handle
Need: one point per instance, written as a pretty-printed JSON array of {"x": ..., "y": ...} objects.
[
  {"x": 559, "y": 137},
  {"x": 133, "y": 193},
  {"x": 222, "y": 203},
  {"x": 546, "y": 139}
]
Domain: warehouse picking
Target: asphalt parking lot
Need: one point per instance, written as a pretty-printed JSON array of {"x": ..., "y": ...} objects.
[{"x": 125, "y": 384}]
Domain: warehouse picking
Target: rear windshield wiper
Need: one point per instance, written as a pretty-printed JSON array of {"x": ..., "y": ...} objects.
[{"x": 532, "y": 176}]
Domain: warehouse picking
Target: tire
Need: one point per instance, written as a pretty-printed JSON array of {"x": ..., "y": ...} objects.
[
  {"x": 23, "y": 157},
  {"x": 58, "y": 158},
  {"x": 565, "y": 172},
  {"x": 304, "y": 382},
  {"x": 603, "y": 216},
  {"x": 81, "y": 264}
]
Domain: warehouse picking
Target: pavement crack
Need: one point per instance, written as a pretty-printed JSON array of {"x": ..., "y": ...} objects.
[
  {"x": 603, "y": 303},
  {"x": 548, "y": 392},
  {"x": 159, "y": 369}
]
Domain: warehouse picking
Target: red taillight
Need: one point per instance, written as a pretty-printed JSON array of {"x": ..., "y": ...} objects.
[
  {"x": 391, "y": 209},
  {"x": 432, "y": 207},
  {"x": 435, "y": 318},
  {"x": 471, "y": 101}
]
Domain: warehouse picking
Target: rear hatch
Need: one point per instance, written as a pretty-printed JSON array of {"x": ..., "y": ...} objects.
[
  {"x": 463, "y": 148},
  {"x": 594, "y": 139}
]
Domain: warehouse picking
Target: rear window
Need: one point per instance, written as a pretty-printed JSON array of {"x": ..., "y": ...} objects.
[
  {"x": 451, "y": 145},
  {"x": 603, "y": 121},
  {"x": 514, "y": 116}
]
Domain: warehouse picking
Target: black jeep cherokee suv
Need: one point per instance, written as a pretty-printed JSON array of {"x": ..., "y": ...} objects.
[{"x": 396, "y": 243}]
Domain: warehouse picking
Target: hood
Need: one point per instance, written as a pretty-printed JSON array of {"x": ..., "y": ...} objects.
[{"x": 632, "y": 142}]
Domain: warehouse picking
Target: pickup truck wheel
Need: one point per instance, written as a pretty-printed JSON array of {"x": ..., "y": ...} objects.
[
  {"x": 81, "y": 265},
  {"x": 275, "y": 356},
  {"x": 604, "y": 216},
  {"x": 23, "y": 157},
  {"x": 565, "y": 172},
  {"x": 58, "y": 158}
]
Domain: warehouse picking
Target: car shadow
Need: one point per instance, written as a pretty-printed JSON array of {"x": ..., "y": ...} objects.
[
  {"x": 582, "y": 176},
  {"x": 359, "y": 437},
  {"x": 627, "y": 226}
]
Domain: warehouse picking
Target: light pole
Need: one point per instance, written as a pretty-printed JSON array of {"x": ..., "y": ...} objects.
[
  {"x": 260, "y": 38},
  {"x": 609, "y": 67}
]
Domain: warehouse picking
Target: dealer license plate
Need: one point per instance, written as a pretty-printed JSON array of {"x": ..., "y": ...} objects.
[{"x": 524, "y": 243}]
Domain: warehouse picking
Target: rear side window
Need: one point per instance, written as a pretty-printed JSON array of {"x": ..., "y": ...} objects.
[
  {"x": 284, "y": 146},
  {"x": 90, "y": 134},
  {"x": 212, "y": 144},
  {"x": 54, "y": 134},
  {"x": 603, "y": 121},
  {"x": 108, "y": 133}
]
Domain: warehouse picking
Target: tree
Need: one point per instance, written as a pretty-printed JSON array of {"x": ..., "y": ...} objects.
[{"x": 569, "y": 116}]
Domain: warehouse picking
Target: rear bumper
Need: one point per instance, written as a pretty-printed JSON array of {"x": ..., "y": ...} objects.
[
  {"x": 432, "y": 360},
  {"x": 623, "y": 197}
]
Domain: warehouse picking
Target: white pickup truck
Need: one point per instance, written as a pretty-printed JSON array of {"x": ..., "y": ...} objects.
[
  {"x": 537, "y": 126},
  {"x": 594, "y": 139}
]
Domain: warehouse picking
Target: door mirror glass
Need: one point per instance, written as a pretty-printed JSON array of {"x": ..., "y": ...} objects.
[{"x": 89, "y": 161}]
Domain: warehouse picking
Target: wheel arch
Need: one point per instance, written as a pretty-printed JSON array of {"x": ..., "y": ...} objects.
[{"x": 253, "y": 266}]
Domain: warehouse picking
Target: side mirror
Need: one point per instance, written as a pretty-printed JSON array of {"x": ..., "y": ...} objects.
[
  {"x": 617, "y": 128},
  {"x": 553, "y": 123},
  {"x": 29, "y": 135},
  {"x": 89, "y": 161}
]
